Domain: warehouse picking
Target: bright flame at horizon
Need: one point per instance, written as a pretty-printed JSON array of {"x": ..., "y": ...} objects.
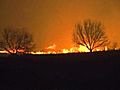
[{"x": 51, "y": 50}]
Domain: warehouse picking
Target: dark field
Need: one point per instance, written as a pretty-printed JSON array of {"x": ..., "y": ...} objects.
[{"x": 86, "y": 71}]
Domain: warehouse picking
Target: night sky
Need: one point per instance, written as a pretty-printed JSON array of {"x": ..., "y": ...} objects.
[{"x": 53, "y": 21}]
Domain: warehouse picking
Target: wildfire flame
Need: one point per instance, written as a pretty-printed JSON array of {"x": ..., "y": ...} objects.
[
  {"x": 51, "y": 50},
  {"x": 52, "y": 46}
]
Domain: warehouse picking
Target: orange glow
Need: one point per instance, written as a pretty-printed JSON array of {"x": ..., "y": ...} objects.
[
  {"x": 54, "y": 20},
  {"x": 51, "y": 50},
  {"x": 62, "y": 51},
  {"x": 12, "y": 51},
  {"x": 83, "y": 49},
  {"x": 3, "y": 52},
  {"x": 78, "y": 49}
]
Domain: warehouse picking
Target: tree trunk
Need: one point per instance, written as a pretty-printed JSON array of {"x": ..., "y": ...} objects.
[{"x": 90, "y": 50}]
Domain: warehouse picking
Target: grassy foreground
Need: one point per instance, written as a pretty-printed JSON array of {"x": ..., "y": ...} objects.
[{"x": 85, "y": 71}]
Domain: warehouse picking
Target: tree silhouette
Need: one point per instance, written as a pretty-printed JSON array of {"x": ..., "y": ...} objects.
[
  {"x": 90, "y": 34},
  {"x": 16, "y": 41}
]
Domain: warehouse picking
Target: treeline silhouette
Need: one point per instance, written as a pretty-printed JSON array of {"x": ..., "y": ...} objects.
[{"x": 89, "y": 33}]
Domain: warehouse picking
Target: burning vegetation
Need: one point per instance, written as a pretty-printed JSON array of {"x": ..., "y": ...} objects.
[{"x": 77, "y": 49}]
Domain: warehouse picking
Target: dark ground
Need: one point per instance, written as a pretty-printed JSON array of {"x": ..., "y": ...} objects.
[{"x": 86, "y": 71}]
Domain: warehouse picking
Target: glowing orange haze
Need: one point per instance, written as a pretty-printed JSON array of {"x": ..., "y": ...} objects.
[{"x": 53, "y": 21}]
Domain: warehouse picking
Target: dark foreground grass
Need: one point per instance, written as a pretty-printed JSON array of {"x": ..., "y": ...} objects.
[{"x": 86, "y": 71}]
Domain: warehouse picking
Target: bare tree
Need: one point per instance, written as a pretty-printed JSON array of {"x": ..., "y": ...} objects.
[
  {"x": 90, "y": 34},
  {"x": 16, "y": 41}
]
